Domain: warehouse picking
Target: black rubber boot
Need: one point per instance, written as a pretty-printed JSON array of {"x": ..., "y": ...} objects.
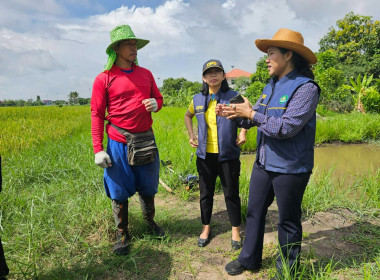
[
  {"x": 120, "y": 214},
  {"x": 4, "y": 271},
  {"x": 148, "y": 211}
]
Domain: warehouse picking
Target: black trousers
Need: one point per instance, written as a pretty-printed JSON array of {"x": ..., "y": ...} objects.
[
  {"x": 229, "y": 172},
  {"x": 3, "y": 265},
  {"x": 289, "y": 190}
]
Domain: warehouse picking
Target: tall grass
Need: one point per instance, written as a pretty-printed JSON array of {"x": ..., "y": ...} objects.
[
  {"x": 56, "y": 222},
  {"x": 324, "y": 192},
  {"x": 348, "y": 128}
]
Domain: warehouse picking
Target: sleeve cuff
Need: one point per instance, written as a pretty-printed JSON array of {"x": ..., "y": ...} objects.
[{"x": 258, "y": 118}]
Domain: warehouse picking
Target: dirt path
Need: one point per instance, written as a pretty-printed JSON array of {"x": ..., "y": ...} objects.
[{"x": 326, "y": 236}]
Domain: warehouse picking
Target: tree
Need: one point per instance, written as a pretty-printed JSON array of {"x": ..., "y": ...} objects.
[
  {"x": 327, "y": 59},
  {"x": 254, "y": 91},
  {"x": 84, "y": 101},
  {"x": 38, "y": 101},
  {"x": 356, "y": 43},
  {"x": 261, "y": 74},
  {"x": 241, "y": 84},
  {"x": 178, "y": 92},
  {"x": 73, "y": 97},
  {"x": 171, "y": 86}
]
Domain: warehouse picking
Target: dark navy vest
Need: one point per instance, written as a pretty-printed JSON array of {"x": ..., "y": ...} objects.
[
  {"x": 227, "y": 129},
  {"x": 289, "y": 155}
]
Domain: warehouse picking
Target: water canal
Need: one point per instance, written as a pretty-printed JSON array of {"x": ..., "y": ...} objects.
[{"x": 346, "y": 160}]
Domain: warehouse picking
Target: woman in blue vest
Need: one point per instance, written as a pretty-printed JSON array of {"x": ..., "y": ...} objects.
[
  {"x": 218, "y": 149},
  {"x": 285, "y": 116}
]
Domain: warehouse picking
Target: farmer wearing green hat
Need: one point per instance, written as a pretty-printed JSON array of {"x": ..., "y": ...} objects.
[{"x": 131, "y": 162}]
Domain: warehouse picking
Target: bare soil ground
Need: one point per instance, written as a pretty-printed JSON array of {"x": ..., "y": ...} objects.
[{"x": 327, "y": 235}]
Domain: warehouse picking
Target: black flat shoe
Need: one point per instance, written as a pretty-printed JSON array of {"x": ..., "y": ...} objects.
[
  {"x": 234, "y": 268},
  {"x": 203, "y": 242},
  {"x": 236, "y": 245}
]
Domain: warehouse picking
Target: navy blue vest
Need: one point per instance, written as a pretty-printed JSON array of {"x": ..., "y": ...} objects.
[
  {"x": 227, "y": 129},
  {"x": 289, "y": 155}
]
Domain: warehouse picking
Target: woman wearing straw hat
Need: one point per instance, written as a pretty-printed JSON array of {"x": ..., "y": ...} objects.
[
  {"x": 129, "y": 94},
  {"x": 285, "y": 116}
]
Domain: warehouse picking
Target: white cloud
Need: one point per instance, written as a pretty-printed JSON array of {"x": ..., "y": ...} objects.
[
  {"x": 54, "y": 54},
  {"x": 229, "y": 4}
]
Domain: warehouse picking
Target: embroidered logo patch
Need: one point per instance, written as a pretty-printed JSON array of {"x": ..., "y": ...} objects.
[
  {"x": 284, "y": 98},
  {"x": 199, "y": 108}
]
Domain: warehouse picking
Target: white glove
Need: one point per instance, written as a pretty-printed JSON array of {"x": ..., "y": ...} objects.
[
  {"x": 102, "y": 159},
  {"x": 152, "y": 102}
]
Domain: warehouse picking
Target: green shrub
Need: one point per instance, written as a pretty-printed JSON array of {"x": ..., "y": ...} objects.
[
  {"x": 371, "y": 101},
  {"x": 341, "y": 100},
  {"x": 329, "y": 80},
  {"x": 254, "y": 91}
]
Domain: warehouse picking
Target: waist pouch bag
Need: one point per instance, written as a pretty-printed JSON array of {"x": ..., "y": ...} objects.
[{"x": 142, "y": 147}]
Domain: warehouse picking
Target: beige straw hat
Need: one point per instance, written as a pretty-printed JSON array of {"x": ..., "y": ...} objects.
[{"x": 287, "y": 39}]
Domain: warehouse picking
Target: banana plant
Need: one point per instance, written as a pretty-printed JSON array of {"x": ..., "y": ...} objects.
[{"x": 360, "y": 87}]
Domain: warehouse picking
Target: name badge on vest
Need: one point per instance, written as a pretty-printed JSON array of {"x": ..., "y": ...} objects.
[{"x": 199, "y": 109}]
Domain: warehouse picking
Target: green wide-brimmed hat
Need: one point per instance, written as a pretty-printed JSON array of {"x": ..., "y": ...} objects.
[{"x": 120, "y": 33}]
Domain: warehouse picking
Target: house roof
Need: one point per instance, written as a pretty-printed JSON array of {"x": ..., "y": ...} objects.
[{"x": 236, "y": 72}]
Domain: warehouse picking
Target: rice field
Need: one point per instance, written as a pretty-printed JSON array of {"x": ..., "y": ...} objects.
[{"x": 55, "y": 219}]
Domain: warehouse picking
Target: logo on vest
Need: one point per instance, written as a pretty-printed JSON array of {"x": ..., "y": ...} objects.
[
  {"x": 199, "y": 109},
  {"x": 284, "y": 98}
]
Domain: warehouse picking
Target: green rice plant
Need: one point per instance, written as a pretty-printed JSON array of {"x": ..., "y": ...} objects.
[
  {"x": 55, "y": 219},
  {"x": 26, "y": 127},
  {"x": 173, "y": 145}
]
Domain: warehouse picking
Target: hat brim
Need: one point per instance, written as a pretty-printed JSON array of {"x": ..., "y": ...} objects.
[
  {"x": 140, "y": 43},
  {"x": 264, "y": 44},
  {"x": 212, "y": 67}
]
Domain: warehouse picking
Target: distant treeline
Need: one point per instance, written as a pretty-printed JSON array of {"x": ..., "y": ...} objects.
[{"x": 73, "y": 99}]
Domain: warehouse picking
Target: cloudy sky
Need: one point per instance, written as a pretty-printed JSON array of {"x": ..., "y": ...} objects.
[{"x": 52, "y": 47}]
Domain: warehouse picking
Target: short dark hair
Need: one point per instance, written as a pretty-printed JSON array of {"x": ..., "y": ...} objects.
[{"x": 300, "y": 63}]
